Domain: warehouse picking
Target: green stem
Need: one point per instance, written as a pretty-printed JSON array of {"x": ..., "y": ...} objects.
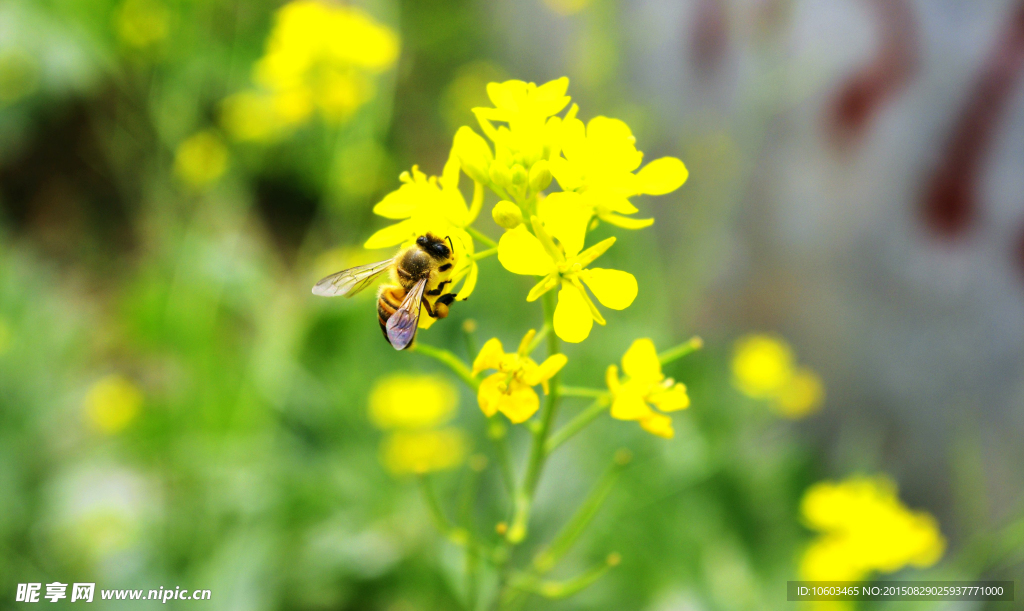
[
  {"x": 456, "y": 535},
  {"x": 498, "y": 433},
  {"x": 453, "y": 362},
  {"x": 538, "y": 338},
  {"x": 483, "y": 254},
  {"x": 691, "y": 345},
  {"x": 481, "y": 237},
  {"x": 562, "y": 542},
  {"x": 538, "y": 453},
  {"x": 579, "y": 391},
  {"x": 563, "y": 589},
  {"x": 578, "y": 423}
]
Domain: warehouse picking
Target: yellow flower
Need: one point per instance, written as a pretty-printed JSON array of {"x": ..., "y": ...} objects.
[
  {"x": 530, "y": 137},
  {"x": 433, "y": 204},
  {"x": 598, "y": 165},
  {"x": 865, "y": 528},
  {"x": 201, "y": 159},
  {"x": 408, "y": 401},
  {"x": 112, "y": 403},
  {"x": 510, "y": 390},
  {"x": 141, "y": 23},
  {"x": 405, "y": 452},
  {"x": 763, "y": 367},
  {"x": 645, "y": 386},
  {"x": 801, "y": 396},
  {"x": 563, "y": 265},
  {"x": 319, "y": 56}
]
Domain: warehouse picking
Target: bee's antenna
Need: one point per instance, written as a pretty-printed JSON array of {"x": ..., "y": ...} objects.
[{"x": 449, "y": 238}]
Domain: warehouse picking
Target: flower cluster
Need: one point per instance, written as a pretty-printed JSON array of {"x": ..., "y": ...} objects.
[
  {"x": 414, "y": 409},
  {"x": 865, "y": 529},
  {"x": 763, "y": 367},
  {"x": 320, "y": 57},
  {"x": 530, "y": 147}
]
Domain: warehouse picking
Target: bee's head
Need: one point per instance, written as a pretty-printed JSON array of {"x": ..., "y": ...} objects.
[{"x": 434, "y": 246}]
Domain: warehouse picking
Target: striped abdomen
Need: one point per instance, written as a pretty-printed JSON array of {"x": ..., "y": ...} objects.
[{"x": 389, "y": 299}]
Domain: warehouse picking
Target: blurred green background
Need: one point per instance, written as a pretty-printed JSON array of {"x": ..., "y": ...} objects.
[{"x": 176, "y": 409}]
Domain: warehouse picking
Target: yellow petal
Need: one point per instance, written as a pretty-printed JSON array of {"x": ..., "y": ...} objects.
[
  {"x": 657, "y": 424},
  {"x": 615, "y": 289},
  {"x": 467, "y": 287},
  {"x": 628, "y": 404},
  {"x": 519, "y": 403},
  {"x": 450, "y": 174},
  {"x": 671, "y": 400},
  {"x": 566, "y": 217},
  {"x": 546, "y": 370},
  {"x": 474, "y": 154},
  {"x": 624, "y": 221},
  {"x": 611, "y": 378},
  {"x": 489, "y": 356},
  {"x": 568, "y": 174},
  {"x": 662, "y": 176},
  {"x": 761, "y": 365},
  {"x": 489, "y": 393},
  {"x": 641, "y": 363},
  {"x": 392, "y": 235},
  {"x": 573, "y": 320},
  {"x": 522, "y": 253},
  {"x": 399, "y": 204}
]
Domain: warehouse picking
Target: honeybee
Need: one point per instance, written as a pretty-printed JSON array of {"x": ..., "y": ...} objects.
[{"x": 420, "y": 273}]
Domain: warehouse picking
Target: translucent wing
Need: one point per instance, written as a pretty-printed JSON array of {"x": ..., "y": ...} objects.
[
  {"x": 350, "y": 281},
  {"x": 402, "y": 325}
]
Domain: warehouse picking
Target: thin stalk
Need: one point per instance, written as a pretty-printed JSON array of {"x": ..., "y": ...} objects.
[
  {"x": 565, "y": 539},
  {"x": 483, "y": 254},
  {"x": 691, "y": 345},
  {"x": 457, "y": 365},
  {"x": 538, "y": 453},
  {"x": 498, "y": 433},
  {"x": 563, "y": 589},
  {"x": 473, "y": 231},
  {"x": 538, "y": 338},
  {"x": 579, "y": 391},
  {"x": 455, "y": 535},
  {"x": 578, "y": 423}
]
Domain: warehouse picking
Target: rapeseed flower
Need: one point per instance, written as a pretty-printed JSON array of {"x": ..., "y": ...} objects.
[
  {"x": 433, "y": 204},
  {"x": 412, "y": 408},
  {"x": 510, "y": 390},
  {"x": 112, "y": 403},
  {"x": 644, "y": 387},
  {"x": 319, "y": 57},
  {"x": 564, "y": 266},
  {"x": 201, "y": 159},
  {"x": 598, "y": 165},
  {"x": 764, "y": 367},
  {"x": 407, "y": 452},
  {"x": 865, "y": 529},
  {"x": 410, "y": 401}
]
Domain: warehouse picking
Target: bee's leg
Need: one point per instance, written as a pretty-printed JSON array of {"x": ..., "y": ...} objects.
[
  {"x": 442, "y": 305},
  {"x": 440, "y": 287},
  {"x": 430, "y": 311}
]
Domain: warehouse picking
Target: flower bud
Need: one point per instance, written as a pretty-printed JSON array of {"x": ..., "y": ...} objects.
[
  {"x": 507, "y": 215},
  {"x": 473, "y": 153},
  {"x": 500, "y": 175},
  {"x": 540, "y": 176},
  {"x": 519, "y": 175}
]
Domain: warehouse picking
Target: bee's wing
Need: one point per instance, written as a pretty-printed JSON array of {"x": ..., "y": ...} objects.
[
  {"x": 401, "y": 327},
  {"x": 350, "y": 281}
]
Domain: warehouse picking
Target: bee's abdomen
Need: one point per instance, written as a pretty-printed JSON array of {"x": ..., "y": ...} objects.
[{"x": 388, "y": 301}]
